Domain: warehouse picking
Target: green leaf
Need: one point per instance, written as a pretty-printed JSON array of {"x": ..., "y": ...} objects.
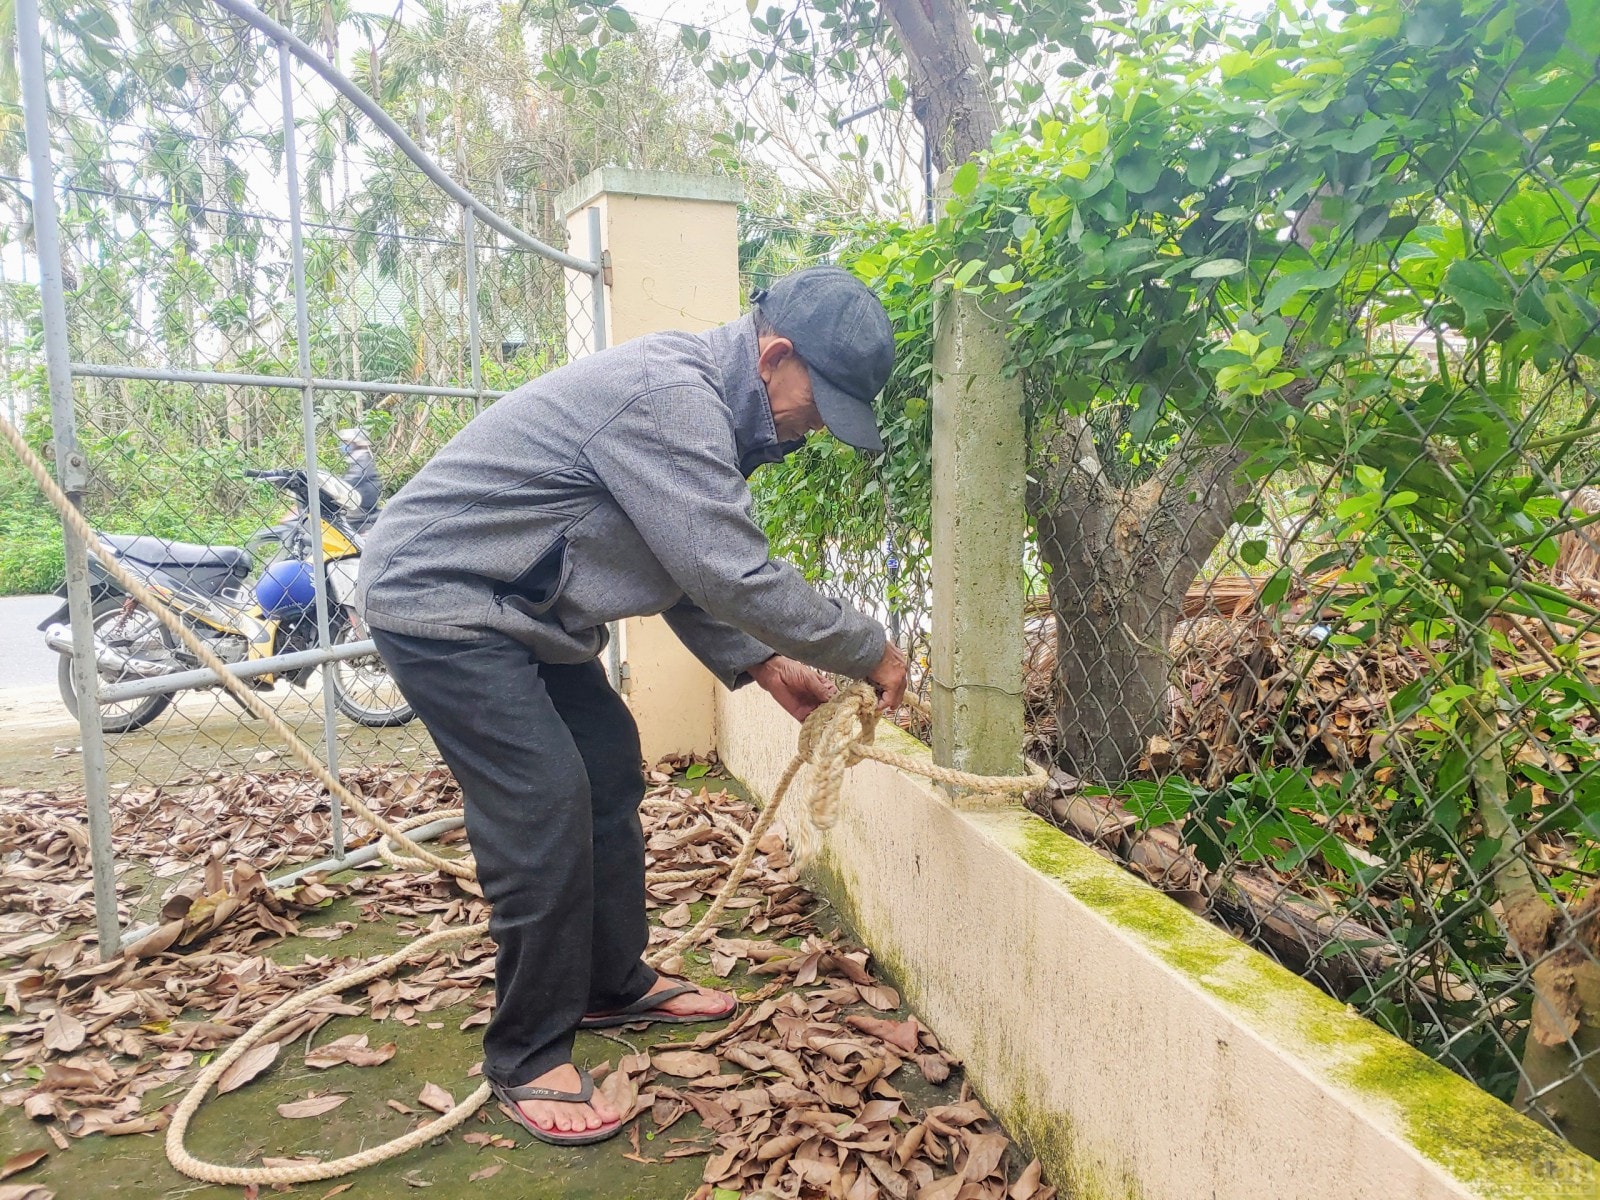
[
  {"x": 1479, "y": 288},
  {"x": 1139, "y": 170},
  {"x": 1201, "y": 165},
  {"x": 1218, "y": 268},
  {"x": 1299, "y": 281},
  {"x": 1253, "y": 552},
  {"x": 1371, "y": 224},
  {"x": 1155, "y": 804},
  {"x": 620, "y": 20},
  {"x": 965, "y": 181},
  {"x": 1363, "y": 137},
  {"x": 1275, "y": 588},
  {"x": 1426, "y": 26},
  {"x": 696, "y": 770}
]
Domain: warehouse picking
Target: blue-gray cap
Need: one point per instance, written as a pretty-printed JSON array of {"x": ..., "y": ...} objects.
[{"x": 843, "y": 336}]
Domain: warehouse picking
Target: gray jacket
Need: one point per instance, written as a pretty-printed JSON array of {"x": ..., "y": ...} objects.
[{"x": 613, "y": 487}]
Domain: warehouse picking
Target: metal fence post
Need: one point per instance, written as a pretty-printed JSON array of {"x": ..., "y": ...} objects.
[
  {"x": 71, "y": 469},
  {"x": 597, "y": 291},
  {"x": 469, "y": 249},
  {"x": 597, "y": 343},
  {"x": 308, "y": 424}
]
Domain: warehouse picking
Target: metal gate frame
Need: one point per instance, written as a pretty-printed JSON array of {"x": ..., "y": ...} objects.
[{"x": 72, "y": 467}]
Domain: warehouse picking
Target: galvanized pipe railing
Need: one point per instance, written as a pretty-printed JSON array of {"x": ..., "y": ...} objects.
[{"x": 62, "y": 371}]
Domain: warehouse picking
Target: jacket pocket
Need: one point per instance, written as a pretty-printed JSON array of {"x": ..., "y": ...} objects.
[{"x": 536, "y": 590}]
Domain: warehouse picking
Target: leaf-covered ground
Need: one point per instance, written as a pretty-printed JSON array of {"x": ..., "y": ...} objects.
[{"x": 823, "y": 1085}]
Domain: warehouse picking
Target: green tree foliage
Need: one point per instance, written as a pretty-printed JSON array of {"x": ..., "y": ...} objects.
[
  {"x": 1356, "y": 247},
  {"x": 170, "y": 153}
]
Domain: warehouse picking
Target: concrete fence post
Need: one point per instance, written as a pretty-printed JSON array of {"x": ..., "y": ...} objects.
[
  {"x": 979, "y": 465},
  {"x": 671, "y": 253}
]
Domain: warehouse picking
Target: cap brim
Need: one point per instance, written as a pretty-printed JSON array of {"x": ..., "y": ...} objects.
[{"x": 847, "y": 418}]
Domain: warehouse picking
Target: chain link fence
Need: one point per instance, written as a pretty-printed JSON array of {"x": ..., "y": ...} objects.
[
  {"x": 1314, "y": 644},
  {"x": 1316, "y": 617},
  {"x": 1340, "y": 694},
  {"x": 264, "y": 283}
]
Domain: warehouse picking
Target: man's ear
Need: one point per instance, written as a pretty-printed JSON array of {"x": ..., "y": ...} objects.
[{"x": 773, "y": 351}]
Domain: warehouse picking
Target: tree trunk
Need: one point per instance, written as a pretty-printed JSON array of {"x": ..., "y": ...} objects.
[
  {"x": 1560, "y": 1078},
  {"x": 1121, "y": 560},
  {"x": 949, "y": 79},
  {"x": 1560, "y": 1084}
]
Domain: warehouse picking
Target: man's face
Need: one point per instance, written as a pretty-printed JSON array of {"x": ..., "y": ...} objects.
[{"x": 794, "y": 413}]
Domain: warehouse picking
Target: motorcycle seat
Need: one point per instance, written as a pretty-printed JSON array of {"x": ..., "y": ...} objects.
[{"x": 159, "y": 552}]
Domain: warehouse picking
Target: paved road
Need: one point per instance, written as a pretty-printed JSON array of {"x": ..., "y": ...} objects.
[{"x": 24, "y": 660}]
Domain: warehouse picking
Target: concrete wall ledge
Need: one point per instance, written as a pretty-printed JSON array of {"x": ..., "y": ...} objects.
[
  {"x": 1143, "y": 1053},
  {"x": 669, "y": 185}
]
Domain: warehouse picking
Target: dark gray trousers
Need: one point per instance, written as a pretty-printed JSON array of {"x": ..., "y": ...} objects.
[{"x": 547, "y": 757}]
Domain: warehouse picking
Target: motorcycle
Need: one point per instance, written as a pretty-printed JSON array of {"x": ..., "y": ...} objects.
[{"x": 206, "y": 586}]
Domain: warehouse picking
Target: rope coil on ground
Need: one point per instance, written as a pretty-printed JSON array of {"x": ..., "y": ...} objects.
[{"x": 833, "y": 738}]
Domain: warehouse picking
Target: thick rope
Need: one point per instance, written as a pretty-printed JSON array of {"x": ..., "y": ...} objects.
[{"x": 833, "y": 738}]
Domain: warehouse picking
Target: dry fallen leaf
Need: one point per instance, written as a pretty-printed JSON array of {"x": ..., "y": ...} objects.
[
  {"x": 941, "y": 1189},
  {"x": 435, "y": 1097},
  {"x": 676, "y": 917},
  {"x": 879, "y": 996},
  {"x": 254, "y": 1061},
  {"x": 313, "y": 1106},
  {"x": 148, "y": 1124},
  {"x": 58, "y": 1077},
  {"x": 897, "y": 1033},
  {"x": 487, "y": 1173},
  {"x": 402, "y": 1108},
  {"x": 25, "y": 1191},
  {"x": 934, "y": 1069},
  {"x": 686, "y": 1064},
  {"x": 621, "y": 1092},
  {"x": 1028, "y": 1182},
  {"x": 352, "y": 1050},
  {"x": 334, "y": 1191},
  {"x": 18, "y": 1163},
  {"x": 984, "y": 1152},
  {"x": 63, "y": 1032}
]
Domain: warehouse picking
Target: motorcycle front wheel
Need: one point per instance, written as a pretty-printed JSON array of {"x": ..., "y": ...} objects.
[
  {"x": 136, "y": 633},
  {"x": 363, "y": 689}
]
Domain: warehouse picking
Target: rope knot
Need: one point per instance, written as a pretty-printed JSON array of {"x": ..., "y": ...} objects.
[{"x": 833, "y": 738}]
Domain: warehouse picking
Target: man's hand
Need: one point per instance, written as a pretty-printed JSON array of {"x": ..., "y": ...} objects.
[
  {"x": 794, "y": 685},
  {"x": 889, "y": 677}
]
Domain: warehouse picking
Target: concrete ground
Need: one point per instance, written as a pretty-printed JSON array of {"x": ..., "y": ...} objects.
[
  {"x": 40, "y": 746},
  {"x": 25, "y": 661},
  {"x": 238, "y": 1127},
  {"x": 243, "y": 1126}
]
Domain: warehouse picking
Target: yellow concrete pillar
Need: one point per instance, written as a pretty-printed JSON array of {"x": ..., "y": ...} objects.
[{"x": 671, "y": 250}]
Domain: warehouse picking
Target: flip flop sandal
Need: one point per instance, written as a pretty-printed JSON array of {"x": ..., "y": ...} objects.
[
  {"x": 648, "y": 1008},
  {"x": 509, "y": 1096}
]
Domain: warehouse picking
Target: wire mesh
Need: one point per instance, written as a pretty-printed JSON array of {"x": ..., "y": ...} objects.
[
  {"x": 172, "y": 153},
  {"x": 1337, "y": 692},
  {"x": 1314, "y": 640}
]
